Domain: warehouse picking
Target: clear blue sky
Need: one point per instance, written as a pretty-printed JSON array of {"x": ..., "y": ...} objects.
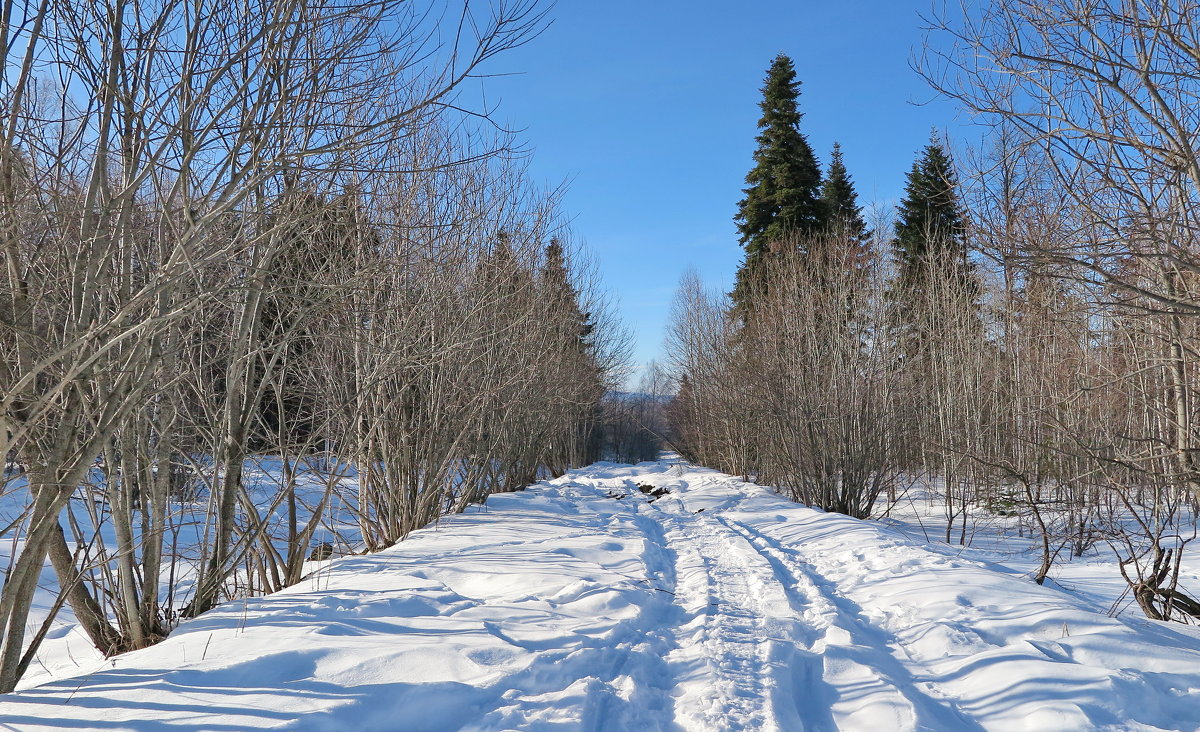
[{"x": 648, "y": 110}]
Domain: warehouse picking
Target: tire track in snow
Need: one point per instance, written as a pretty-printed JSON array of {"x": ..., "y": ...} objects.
[
  {"x": 742, "y": 660},
  {"x": 871, "y": 682},
  {"x": 755, "y": 637}
]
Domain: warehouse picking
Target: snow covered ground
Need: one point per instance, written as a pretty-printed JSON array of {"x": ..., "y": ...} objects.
[
  {"x": 582, "y": 603},
  {"x": 999, "y": 540}
]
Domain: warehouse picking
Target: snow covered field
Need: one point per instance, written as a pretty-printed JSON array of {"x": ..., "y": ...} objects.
[{"x": 585, "y": 603}]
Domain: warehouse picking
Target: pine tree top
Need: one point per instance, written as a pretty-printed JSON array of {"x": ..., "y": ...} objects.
[
  {"x": 930, "y": 223},
  {"x": 935, "y": 277},
  {"x": 560, "y": 296},
  {"x": 841, "y": 200},
  {"x": 782, "y": 193},
  {"x": 780, "y": 92}
]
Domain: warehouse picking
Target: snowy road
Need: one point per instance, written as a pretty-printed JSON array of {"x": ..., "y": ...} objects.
[{"x": 583, "y": 604}]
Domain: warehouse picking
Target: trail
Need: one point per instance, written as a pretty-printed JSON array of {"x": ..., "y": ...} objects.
[
  {"x": 772, "y": 646},
  {"x": 587, "y": 603}
]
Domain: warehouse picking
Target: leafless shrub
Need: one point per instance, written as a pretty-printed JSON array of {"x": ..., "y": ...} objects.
[
  {"x": 1095, "y": 104},
  {"x": 239, "y": 229}
]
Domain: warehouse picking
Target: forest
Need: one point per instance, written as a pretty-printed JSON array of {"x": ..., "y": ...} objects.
[
  {"x": 1018, "y": 336},
  {"x": 249, "y": 250},
  {"x": 277, "y": 288}
]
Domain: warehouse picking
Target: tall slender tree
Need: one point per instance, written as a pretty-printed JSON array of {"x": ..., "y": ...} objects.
[
  {"x": 561, "y": 296},
  {"x": 842, "y": 212},
  {"x": 931, "y": 229},
  {"x": 784, "y": 186},
  {"x": 935, "y": 322},
  {"x": 573, "y": 352}
]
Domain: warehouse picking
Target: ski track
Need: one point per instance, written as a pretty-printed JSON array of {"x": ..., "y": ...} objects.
[{"x": 582, "y": 604}]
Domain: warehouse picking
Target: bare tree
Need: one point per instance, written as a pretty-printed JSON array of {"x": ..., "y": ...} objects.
[
  {"x": 802, "y": 393},
  {"x": 145, "y": 159},
  {"x": 1101, "y": 96}
]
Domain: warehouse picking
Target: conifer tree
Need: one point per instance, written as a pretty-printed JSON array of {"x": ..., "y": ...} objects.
[
  {"x": 681, "y": 418},
  {"x": 561, "y": 297},
  {"x": 935, "y": 282},
  {"x": 931, "y": 227},
  {"x": 783, "y": 187},
  {"x": 842, "y": 212},
  {"x": 575, "y": 356}
]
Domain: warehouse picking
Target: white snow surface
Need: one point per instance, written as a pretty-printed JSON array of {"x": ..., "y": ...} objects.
[{"x": 720, "y": 606}]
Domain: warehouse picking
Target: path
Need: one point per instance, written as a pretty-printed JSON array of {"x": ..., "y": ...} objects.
[{"x": 585, "y": 604}]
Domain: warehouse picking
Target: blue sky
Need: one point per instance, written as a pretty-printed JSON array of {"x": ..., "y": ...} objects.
[{"x": 648, "y": 111}]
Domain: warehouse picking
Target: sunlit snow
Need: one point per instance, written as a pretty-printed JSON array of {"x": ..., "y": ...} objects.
[{"x": 585, "y": 603}]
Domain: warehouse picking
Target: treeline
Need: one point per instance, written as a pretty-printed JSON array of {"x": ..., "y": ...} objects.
[
  {"x": 265, "y": 228},
  {"x": 1023, "y": 343}
]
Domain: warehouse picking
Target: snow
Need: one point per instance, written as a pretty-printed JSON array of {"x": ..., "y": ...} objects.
[{"x": 582, "y": 603}]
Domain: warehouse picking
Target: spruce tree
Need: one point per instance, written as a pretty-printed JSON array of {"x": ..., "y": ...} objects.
[
  {"x": 930, "y": 249},
  {"x": 561, "y": 298},
  {"x": 783, "y": 187},
  {"x": 575, "y": 354},
  {"x": 842, "y": 212},
  {"x": 931, "y": 227}
]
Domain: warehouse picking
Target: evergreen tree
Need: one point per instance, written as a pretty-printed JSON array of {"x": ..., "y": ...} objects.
[
  {"x": 842, "y": 212},
  {"x": 783, "y": 187},
  {"x": 935, "y": 284},
  {"x": 502, "y": 270},
  {"x": 574, "y": 355},
  {"x": 315, "y": 245},
  {"x": 561, "y": 297},
  {"x": 931, "y": 227},
  {"x": 681, "y": 420}
]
